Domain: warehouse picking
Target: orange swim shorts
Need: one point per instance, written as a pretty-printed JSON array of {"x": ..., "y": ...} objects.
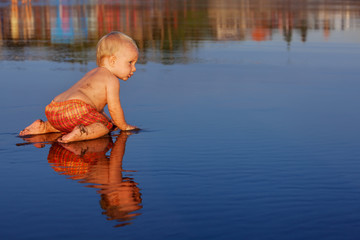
[
  {"x": 65, "y": 116},
  {"x": 77, "y": 166}
]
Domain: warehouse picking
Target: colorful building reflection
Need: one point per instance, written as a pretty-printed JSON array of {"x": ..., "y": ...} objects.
[{"x": 174, "y": 26}]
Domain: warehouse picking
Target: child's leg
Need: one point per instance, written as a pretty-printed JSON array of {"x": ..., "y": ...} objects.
[
  {"x": 82, "y": 132},
  {"x": 38, "y": 127},
  {"x": 91, "y": 146}
]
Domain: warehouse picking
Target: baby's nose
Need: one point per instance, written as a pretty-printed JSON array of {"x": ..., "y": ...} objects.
[{"x": 134, "y": 69}]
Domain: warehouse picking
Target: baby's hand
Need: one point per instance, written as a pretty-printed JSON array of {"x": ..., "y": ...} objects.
[{"x": 130, "y": 127}]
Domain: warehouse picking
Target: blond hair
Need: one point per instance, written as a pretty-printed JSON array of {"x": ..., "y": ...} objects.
[{"x": 111, "y": 43}]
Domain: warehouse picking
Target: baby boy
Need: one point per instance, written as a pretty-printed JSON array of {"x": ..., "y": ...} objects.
[{"x": 79, "y": 111}]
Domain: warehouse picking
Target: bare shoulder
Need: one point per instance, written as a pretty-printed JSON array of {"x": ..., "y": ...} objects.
[
  {"x": 105, "y": 76},
  {"x": 100, "y": 73}
]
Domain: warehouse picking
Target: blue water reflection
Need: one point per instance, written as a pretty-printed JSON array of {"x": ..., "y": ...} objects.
[{"x": 249, "y": 111}]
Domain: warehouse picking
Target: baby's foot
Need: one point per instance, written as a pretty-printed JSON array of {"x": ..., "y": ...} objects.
[
  {"x": 67, "y": 138},
  {"x": 36, "y": 127},
  {"x": 74, "y": 135}
]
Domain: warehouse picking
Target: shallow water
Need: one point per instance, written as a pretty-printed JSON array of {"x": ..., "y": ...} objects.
[{"x": 249, "y": 111}]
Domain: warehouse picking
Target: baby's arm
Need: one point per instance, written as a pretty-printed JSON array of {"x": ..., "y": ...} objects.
[
  {"x": 114, "y": 105},
  {"x": 110, "y": 120}
]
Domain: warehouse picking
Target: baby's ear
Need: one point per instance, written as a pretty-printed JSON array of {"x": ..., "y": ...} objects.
[{"x": 112, "y": 60}]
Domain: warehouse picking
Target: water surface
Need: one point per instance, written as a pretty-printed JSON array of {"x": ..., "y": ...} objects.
[{"x": 249, "y": 111}]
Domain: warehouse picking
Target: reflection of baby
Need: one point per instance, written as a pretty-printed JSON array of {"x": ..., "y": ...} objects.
[
  {"x": 120, "y": 202},
  {"x": 86, "y": 161},
  {"x": 75, "y": 160}
]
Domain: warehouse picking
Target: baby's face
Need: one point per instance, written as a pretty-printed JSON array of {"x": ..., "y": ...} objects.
[{"x": 125, "y": 59}]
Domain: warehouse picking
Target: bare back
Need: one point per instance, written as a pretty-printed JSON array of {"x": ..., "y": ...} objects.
[{"x": 91, "y": 89}]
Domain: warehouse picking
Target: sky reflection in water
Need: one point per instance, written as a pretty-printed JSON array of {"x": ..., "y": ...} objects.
[{"x": 249, "y": 110}]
